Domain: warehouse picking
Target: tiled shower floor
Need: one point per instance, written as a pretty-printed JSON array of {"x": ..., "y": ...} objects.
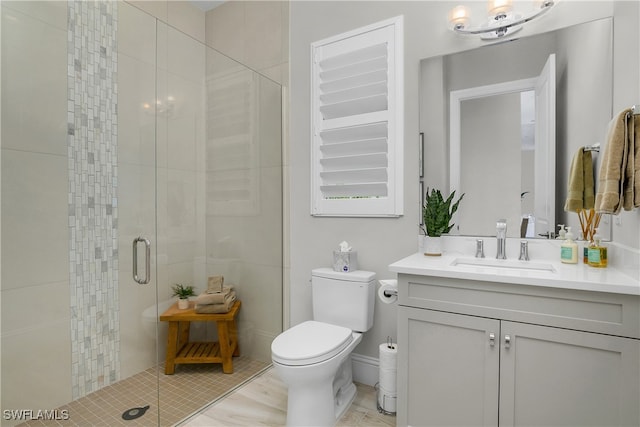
[{"x": 191, "y": 388}]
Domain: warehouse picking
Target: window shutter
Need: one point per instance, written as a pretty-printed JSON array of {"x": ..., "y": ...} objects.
[{"x": 357, "y": 150}]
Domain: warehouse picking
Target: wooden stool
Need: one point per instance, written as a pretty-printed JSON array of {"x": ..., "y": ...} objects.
[{"x": 180, "y": 350}]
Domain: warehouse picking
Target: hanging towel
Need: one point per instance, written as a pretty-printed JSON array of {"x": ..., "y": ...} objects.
[
  {"x": 589, "y": 195},
  {"x": 580, "y": 191},
  {"x": 636, "y": 159},
  {"x": 575, "y": 190},
  {"x": 216, "y": 298},
  {"x": 610, "y": 195},
  {"x": 631, "y": 185}
]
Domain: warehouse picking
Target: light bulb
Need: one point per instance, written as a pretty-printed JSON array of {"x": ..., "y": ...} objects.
[
  {"x": 459, "y": 16},
  {"x": 499, "y": 7}
]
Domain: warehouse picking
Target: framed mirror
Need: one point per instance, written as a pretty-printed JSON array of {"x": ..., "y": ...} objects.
[{"x": 511, "y": 156}]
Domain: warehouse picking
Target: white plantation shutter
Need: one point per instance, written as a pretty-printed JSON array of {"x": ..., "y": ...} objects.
[{"x": 356, "y": 159}]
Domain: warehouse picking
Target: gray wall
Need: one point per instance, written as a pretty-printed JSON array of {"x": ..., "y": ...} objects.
[{"x": 382, "y": 241}]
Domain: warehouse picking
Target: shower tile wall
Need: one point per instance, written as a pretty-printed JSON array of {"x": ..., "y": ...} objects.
[
  {"x": 36, "y": 318},
  {"x": 92, "y": 129}
]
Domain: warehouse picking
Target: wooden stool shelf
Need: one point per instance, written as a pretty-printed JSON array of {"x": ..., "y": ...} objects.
[{"x": 180, "y": 350}]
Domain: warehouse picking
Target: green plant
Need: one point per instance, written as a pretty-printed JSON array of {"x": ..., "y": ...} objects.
[
  {"x": 437, "y": 212},
  {"x": 182, "y": 291}
]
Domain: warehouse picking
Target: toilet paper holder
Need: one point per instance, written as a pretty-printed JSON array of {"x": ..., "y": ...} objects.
[
  {"x": 382, "y": 407},
  {"x": 390, "y": 292}
]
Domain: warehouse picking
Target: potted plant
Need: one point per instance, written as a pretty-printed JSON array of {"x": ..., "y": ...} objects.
[
  {"x": 183, "y": 292},
  {"x": 436, "y": 214}
]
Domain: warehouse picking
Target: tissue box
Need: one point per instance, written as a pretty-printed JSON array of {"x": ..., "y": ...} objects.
[{"x": 345, "y": 261}]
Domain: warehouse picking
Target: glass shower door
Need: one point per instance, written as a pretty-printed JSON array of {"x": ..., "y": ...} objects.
[
  {"x": 138, "y": 111},
  {"x": 219, "y": 198}
]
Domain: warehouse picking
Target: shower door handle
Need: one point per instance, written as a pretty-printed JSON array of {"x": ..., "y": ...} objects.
[{"x": 147, "y": 260}]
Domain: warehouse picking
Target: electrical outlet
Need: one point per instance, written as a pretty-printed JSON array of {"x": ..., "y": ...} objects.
[{"x": 618, "y": 221}]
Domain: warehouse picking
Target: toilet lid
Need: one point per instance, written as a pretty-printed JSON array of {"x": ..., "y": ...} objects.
[{"x": 310, "y": 342}]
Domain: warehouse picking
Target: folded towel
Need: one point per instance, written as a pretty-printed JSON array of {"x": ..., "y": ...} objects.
[
  {"x": 575, "y": 189},
  {"x": 217, "y": 298},
  {"x": 217, "y": 308},
  {"x": 610, "y": 195},
  {"x": 214, "y": 284}
]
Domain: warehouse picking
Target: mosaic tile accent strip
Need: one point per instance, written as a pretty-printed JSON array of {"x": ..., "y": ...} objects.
[{"x": 93, "y": 209}]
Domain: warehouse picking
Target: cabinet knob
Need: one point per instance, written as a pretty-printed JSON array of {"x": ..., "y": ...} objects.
[
  {"x": 492, "y": 339},
  {"x": 507, "y": 341}
]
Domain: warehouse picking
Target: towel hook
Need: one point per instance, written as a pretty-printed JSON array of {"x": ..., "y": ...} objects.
[{"x": 594, "y": 147}]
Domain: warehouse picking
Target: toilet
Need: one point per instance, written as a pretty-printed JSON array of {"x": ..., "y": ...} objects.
[{"x": 313, "y": 358}]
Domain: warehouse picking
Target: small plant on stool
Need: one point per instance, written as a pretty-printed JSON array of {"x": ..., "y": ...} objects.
[{"x": 183, "y": 292}]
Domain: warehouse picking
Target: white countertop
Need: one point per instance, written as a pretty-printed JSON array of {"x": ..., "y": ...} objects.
[{"x": 566, "y": 276}]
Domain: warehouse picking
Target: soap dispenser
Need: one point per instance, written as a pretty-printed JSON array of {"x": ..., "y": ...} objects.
[
  {"x": 569, "y": 249},
  {"x": 597, "y": 252}
]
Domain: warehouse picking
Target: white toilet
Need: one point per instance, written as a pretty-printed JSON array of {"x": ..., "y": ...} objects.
[{"x": 314, "y": 358}]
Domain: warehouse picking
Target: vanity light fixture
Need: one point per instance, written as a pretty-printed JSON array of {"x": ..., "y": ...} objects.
[{"x": 502, "y": 20}]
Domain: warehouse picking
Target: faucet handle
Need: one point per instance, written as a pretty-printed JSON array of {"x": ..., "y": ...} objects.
[
  {"x": 524, "y": 251},
  {"x": 479, "y": 248}
]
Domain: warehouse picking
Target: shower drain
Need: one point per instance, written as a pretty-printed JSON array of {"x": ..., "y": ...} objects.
[{"x": 133, "y": 413}]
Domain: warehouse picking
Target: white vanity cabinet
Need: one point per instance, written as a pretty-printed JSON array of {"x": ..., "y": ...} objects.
[{"x": 484, "y": 353}]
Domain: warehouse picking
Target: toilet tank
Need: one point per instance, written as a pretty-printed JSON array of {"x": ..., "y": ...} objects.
[{"x": 343, "y": 299}]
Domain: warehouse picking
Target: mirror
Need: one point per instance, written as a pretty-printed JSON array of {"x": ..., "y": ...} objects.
[{"x": 509, "y": 162}]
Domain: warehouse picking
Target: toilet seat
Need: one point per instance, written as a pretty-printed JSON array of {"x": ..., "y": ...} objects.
[{"x": 310, "y": 342}]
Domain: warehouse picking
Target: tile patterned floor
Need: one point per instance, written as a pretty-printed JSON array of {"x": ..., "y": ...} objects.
[
  {"x": 263, "y": 402},
  {"x": 191, "y": 388}
]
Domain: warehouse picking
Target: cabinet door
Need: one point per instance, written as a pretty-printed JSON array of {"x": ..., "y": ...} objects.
[
  {"x": 558, "y": 377},
  {"x": 450, "y": 367}
]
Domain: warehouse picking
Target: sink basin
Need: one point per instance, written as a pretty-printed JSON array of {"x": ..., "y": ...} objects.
[{"x": 504, "y": 264}]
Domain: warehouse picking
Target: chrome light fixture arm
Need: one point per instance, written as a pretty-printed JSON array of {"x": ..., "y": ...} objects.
[{"x": 502, "y": 23}]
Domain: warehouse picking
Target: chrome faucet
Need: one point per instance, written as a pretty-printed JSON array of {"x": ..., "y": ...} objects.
[
  {"x": 501, "y": 235},
  {"x": 479, "y": 248},
  {"x": 524, "y": 251}
]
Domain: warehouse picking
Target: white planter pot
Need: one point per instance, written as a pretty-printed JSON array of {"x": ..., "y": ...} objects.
[
  {"x": 432, "y": 246},
  {"x": 183, "y": 304}
]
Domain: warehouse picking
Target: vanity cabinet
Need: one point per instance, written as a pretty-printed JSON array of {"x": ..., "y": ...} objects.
[{"x": 483, "y": 353}]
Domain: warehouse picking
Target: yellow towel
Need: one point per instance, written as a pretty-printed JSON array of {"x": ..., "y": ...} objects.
[
  {"x": 575, "y": 190},
  {"x": 610, "y": 195}
]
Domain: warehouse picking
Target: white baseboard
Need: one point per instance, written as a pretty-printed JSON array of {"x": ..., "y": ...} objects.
[{"x": 365, "y": 369}]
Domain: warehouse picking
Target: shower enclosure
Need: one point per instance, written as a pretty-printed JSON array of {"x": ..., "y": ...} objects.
[{"x": 118, "y": 129}]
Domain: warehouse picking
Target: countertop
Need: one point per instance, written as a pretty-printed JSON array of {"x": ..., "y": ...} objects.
[{"x": 566, "y": 276}]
